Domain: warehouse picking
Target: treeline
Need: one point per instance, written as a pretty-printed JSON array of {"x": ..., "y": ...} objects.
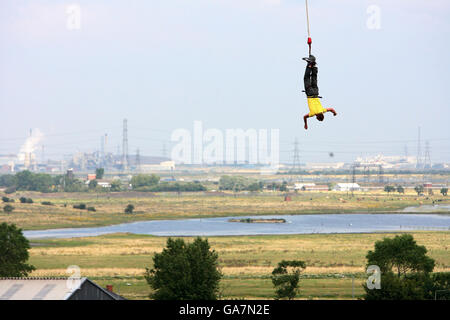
[
  {"x": 28, "y": 181},
  {"x": 42, "y": 182},
  {"x": 239, "y": 183},
  {"x": 142, "y": 182}
]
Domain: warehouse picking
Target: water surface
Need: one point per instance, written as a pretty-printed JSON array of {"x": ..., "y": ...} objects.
[{"x": 296, "y": 224}]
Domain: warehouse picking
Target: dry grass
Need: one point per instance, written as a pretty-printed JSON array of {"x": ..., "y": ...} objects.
[{"x": 246, "y": 261}]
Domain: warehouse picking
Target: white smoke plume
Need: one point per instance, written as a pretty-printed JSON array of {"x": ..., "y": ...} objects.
[{"x": 30, "y": 145}]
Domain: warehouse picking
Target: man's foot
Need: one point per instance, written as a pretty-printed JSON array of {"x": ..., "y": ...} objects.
[
  {"x": 310, "y": 59},
  {"x": 310, "y": 64}
]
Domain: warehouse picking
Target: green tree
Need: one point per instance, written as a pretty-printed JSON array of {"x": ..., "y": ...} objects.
[
  {"x": 419, "y": 189},
  {"x": 237, "y": 183},
  {"x": 129, "y": 208},
  {"x": 115, "y": 185},
  {"x": 81, "y": 206},
  {"x": 26, "y": 180},
  {"x": 389, "y": 189},
  {"x": 99, "y": 173},
  {"x": 444, "y": 191},
  {"x": 400, "y": 254},
  {"x": 254, "y": 187},
  {"x": 6, "y": 199},
  {"x": 286, "y": 277},
  {"x": 25, "y": 200},
  {"x": 8, "y": 208},
  {"x": 405, "y": 269},
  {"x": 144, "y": 180},
  {"x": 185, "y": 271},
  {"x": 93, "y": 184},
  {"x": 8, "y": 180},
  {"x": 400, "y": 189},
  {"x": 13, "y": 252}
]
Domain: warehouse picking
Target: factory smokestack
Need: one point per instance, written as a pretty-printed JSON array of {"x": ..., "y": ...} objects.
[{"x": 26, "y": 153}]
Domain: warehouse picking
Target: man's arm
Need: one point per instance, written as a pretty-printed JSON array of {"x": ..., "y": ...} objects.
[
  {"x": 332, "y": 111},
  {"x": 305, "y": 119}
]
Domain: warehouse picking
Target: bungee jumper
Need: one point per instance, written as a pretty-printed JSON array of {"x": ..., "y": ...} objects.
[{"x": 310, "y": 83}]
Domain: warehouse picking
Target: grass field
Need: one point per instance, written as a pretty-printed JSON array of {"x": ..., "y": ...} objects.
[
  {"x": 110, "y": 206},
  {"x": 246, "y": 261}
]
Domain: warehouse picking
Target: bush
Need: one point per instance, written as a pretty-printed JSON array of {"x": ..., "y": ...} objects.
[
  {"x": 129, "y": 208},
  {"x": 115, "y": 185},
  {"x": 46, "y": 203},
  {"x": 25, "y": 200},
  {"x": 143, "y": 180},
  {"x": 8, "y": 208},
  {"x": 6, "y": 199},
  {"x": 419, "y": 189},
  {"x": 389, "y": 189},
  {"x": 80, "y": 206},
  {"x": 91, "y": 209},
  {"x": 173, "y": 187},
  {"x": 10, "y": 190}
]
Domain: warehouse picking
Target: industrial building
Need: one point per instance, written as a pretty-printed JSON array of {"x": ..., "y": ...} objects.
[{"x": 347, "y": 187}]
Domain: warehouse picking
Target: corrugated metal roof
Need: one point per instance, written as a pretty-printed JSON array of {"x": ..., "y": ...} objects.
[{"x": 37, "y": 288}]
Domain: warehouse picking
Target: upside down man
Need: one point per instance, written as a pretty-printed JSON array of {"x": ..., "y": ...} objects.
[{"x": 312, "y": 92}]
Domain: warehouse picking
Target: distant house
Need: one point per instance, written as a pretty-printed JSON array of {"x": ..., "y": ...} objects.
[
  {"x": 162, "y": 166},
  {"x": 315, "y": 188},
  {"x": 101, "y": 183},
  {"x": 301, "y": 186},
  {"x": 347, "y": 187},
  {"x": 54, "y": 289}
]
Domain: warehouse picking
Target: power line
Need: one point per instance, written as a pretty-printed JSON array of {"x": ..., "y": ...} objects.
[
  {"x": 125, "y": 146},
  {"x": 419, "y": 152},
  {"x": 427, "y": 157},
  {"x": 138, "y": 161},
  {"x": 296, "y": 161}
]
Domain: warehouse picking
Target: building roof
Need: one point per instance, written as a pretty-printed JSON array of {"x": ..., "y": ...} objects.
[
  {"x": 354, "y": 185},
  {"x": 44, "y": 288}
]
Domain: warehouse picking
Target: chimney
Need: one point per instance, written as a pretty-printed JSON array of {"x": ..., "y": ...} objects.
[{"x": 109, "y": 288}]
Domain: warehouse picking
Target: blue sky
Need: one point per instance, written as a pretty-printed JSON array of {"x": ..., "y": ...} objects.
[{"x": 231, "y": 64}]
